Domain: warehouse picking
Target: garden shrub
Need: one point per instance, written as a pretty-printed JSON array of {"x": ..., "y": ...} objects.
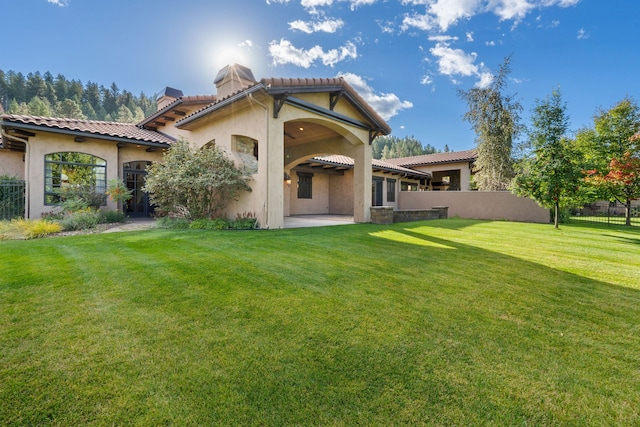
[
  {"x": 111, "y": 216},
  {"x": 194, "y": 183},
  {"x": 33, "y": 229},
  {"x": 81, "y": 220}
]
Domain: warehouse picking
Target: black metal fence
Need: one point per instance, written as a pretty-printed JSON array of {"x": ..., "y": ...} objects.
[
  {"x": 12, "y": 199},
  {"x": 605, "y": 212}
]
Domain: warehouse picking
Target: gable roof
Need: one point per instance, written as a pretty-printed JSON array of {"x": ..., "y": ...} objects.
[
  {"x": 337, "y": 86},
  {"x": 283, "y": 88},
  {"x": 437, "y": 158},
  {"x": 114, "y": 131}
]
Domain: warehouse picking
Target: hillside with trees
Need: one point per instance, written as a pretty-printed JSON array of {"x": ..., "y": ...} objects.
[
  {"x": 45, "y": 95},
  {"x": 392, "y": 147}
]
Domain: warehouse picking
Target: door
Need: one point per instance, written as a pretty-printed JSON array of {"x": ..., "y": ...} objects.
[
  {"x": 134, "y": 175},
  {"x": 376, "y": 191}
]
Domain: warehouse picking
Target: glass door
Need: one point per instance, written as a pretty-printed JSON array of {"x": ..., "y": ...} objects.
[{"x": 134, "y": 175}]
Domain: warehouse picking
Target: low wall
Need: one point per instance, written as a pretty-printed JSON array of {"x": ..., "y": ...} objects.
[
  {"x": 388, "y": 215},
  {"x": 490, "y": 205}
]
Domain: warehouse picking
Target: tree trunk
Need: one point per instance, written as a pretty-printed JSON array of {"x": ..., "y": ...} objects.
[
  {"x": 556, "y": 219},
  {"x": 627, "y": 212}
]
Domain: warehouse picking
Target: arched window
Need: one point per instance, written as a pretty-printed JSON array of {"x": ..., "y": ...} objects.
[{"x": 72, "y": 170}]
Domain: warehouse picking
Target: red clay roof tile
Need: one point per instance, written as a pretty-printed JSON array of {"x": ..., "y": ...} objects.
[{"x": 98, "y": 128}]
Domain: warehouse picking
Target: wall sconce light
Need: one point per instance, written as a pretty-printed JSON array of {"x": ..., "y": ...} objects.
[
  {"x": 78, "y": 139},
  {"x": 287, "y": 179}
]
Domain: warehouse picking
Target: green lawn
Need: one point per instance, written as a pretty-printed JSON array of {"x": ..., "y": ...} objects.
[{"x": 449, "y": 322}]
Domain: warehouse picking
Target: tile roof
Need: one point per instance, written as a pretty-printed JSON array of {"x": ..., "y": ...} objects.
[
  {"x": 377, "y": 164},
  {"x": 437, "y": 158},
  {"x": 124, "y": 131}
]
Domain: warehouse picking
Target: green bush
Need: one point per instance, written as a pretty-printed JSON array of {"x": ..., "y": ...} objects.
[
  {"x": 81, "y": 220},
  {"x": 194, "y": 183},
  {"x": 111, "y": 216},
  {"x": 82, "y": 194}
]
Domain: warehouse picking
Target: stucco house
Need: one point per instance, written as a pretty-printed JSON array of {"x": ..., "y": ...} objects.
[
  {"x": 281, "y": 130},
  {"x": 450, "y": 171}
]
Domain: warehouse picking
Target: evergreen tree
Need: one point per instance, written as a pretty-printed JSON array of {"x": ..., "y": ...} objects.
[
  {"x": 495, "y": 118},
  {"x": 69, "y": 109},
  {"x": 39, "y": 107}
]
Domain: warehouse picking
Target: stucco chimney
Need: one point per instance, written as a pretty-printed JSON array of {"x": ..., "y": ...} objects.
[
  {"x": 167, "y": 97},
  {"x": 232, "y": 79}
]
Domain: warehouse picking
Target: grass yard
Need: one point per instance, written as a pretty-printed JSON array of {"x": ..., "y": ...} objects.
[{"x": 449, "y": 322}]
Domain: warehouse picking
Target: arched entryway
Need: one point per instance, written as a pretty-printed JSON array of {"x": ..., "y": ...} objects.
[
  {"x": 313, "y": 188},
  {"x": 134, "y": 174}
]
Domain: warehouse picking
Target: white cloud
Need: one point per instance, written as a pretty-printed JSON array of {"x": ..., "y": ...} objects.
[
  {"x": 442, "y": 14},
  {"x": 582, "y": 34},
  {"x": 61, "y": 3},
  {"x": 327, "y": 26},
  {"x": 470, "y": 36},
  {"x": 387, "y": 105},
  {"x": 246, "y": 43},
  {"x": 283, "y": 52},
  {"x": 510, "y": 9},
  {"x": 453, "y": 62},
  {"x": 442, "y": 38},
  {"x": 485, "y": 80},
  {"x": 448, "y": 12},
  {"x": 426, "y": 80},
  {"x": 421, "y": 22}
]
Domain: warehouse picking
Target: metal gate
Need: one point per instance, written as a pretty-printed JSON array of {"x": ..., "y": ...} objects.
[
  {"x": 12, "y": 198},
  {"x": 604, "y": 212}
]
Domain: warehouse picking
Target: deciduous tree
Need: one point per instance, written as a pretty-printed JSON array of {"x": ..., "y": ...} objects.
[{"x": 550, "y": 172}]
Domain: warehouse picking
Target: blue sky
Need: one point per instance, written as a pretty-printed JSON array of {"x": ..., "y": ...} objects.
[{"x": 408, "y": 58}]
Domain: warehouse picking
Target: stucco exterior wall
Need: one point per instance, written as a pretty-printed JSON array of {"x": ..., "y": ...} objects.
[
  {"x": 12, "y": 163},
  {"x": 489, "y": 205},
  {"x": 248, "y": 122},
  {"x": 318, "y": 204},
  {"x": 341, "y": 194}
]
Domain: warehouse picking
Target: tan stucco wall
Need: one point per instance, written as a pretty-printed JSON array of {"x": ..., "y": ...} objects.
[
  {"x": 250, "y": 121},
  {"x": 490, "y": 205},
  {"x": 12, "y": 163},
  {"x": 318, "y": 204},
  {"x": 341, "y": 194}
]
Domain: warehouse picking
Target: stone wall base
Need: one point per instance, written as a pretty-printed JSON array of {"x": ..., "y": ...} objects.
[{"x": 386, "y": 214}]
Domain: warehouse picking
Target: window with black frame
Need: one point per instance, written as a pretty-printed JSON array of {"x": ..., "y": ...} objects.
[
  {"x": 391, "y": 190},
  {"x": 73, "y": 172},
  {"x": 305, "y": 186}
]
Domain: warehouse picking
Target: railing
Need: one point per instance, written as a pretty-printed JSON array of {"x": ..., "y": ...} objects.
[
  {"x": 12, "y": 199},
  {"x": 603, "y": 212}
]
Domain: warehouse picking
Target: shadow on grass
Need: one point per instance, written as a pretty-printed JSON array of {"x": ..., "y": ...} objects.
[{"x": 340, "y": 325}]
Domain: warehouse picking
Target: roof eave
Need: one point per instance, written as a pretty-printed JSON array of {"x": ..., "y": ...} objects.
[
  {"x": 26, "y": 126},
  {"x": 219, "y": 105}
]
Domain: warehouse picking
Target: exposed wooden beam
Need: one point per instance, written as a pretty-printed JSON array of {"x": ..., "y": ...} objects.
[
  {"x": 169, "y": 119},
  {"x": 334, "y": 97},
  {"x": 179, "y": 113}
]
